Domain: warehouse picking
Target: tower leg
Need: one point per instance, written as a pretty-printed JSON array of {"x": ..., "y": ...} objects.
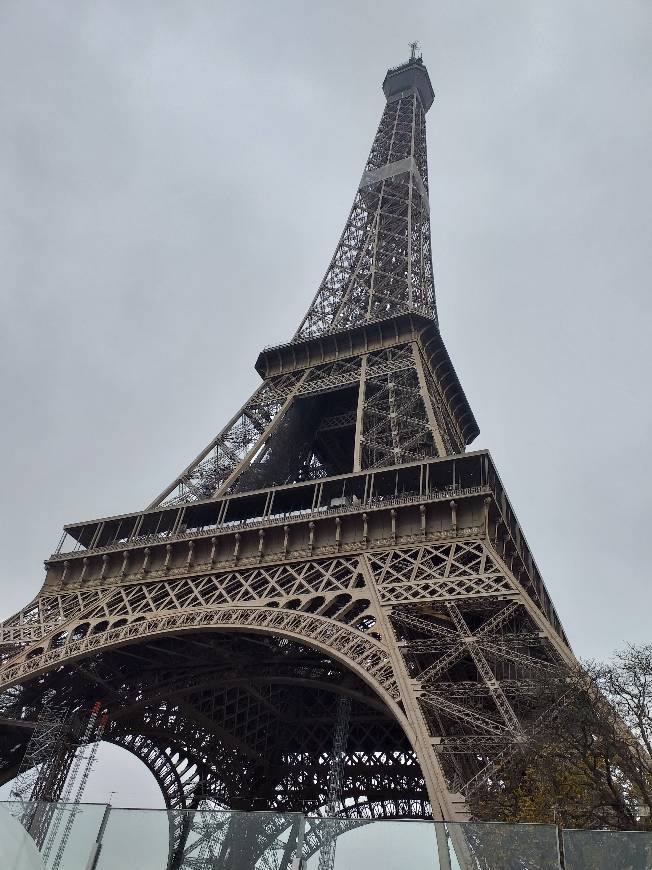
[{"x": 445, "y": 806}]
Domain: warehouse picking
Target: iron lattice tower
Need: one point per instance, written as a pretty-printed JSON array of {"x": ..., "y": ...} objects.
[{"x": 334, "y": 540}]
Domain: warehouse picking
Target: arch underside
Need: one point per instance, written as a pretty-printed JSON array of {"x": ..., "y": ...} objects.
[
  {"x": 246, "y": 720},
  {"x": 241, "y": 721}
]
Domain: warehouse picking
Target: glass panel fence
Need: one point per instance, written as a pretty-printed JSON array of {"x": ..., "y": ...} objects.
[
  {"x": 200, "y": 839},
  {"x": 608, "y": 850},
  {"x": 65, "y": 837},
  {"x": 496, "y": 846},
  {"x": 370, "y": 845},
  {"x": 135, "y": 838},
  {"x": 48, "y": 836}
]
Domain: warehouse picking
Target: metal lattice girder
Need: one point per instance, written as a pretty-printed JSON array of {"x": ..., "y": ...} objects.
[
  {"x": 485, "y": 671},
  {"x": 393, "y": 400},
  {"x": 68, "y": 807},
  {"x": 37, "y": 774},
  {"x": 205, "y": 718},
  {"x": 434, "y": 671},
  {"x": 230, "y": 448},
  {"x": 382, "y": 263},
  {"x": 335, "y": 795},
  {"x": 43, "y": 614},
  {"x": 397, "y": 400}
]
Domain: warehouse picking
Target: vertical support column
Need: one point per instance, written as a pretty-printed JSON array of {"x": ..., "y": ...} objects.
[
  {"x": 376, "y": 228},
  {"x": 393, "y": 423},
  {"x": 298, "y": 863},
  {"x": 98, "y": 532},
  {"x": 427, "y": 401},
  {"x": 136, "y": 530},
  {"x": 178, "y": 521},
  {"x": 409, "y": 208},
  {"x": 359, "y": 419}
]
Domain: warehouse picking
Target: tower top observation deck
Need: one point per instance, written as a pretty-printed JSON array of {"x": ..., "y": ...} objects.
[{"x": 409, "y": 76}]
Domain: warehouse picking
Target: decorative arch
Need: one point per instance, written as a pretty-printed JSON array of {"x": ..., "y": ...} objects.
[{"x": 361, "y": 653}]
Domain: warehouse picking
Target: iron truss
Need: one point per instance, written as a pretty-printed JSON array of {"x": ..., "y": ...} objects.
[
  {"x": 392, "y": 404},
  {"x": 223, "y": 683},
  {"x": 383, "y": 262},
  {"x": 333, "y": 541}
]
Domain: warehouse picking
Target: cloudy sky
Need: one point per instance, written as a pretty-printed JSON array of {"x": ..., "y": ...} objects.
[{"x": 174, "y": 178}]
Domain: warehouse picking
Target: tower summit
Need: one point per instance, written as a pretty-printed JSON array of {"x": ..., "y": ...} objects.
[
  {"x": 410, "y": 76},
  {"x": 334, "y": 547}
]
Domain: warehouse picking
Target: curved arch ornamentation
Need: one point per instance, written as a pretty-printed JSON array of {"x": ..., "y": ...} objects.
[
  {"x": 160, "y": 765},
  {"x": 361, "y": 653}
]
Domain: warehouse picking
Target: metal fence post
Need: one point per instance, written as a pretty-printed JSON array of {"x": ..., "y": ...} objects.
[
  {"x": 560, "y": 847},
  {"x": 298, "y": 864}
]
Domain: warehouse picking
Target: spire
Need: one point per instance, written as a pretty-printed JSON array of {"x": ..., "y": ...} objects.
[{"x": 382, "y": 264}]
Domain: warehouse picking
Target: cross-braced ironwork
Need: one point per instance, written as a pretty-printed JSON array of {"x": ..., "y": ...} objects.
[
  {"x": 327, "y": 853},
  {"x": 333, "y": 541},
  {"x": 44, "y": 768}
]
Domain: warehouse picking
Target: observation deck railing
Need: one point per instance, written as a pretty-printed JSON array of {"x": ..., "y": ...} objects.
[{"x": 279, "y": 519}]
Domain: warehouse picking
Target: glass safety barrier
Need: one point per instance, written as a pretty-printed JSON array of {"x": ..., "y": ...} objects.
[
  {"x": 48, "y": 836},
  {"x": 99, "y": 837},
  {"x": 387, "y": 844},
  {"x": 198, "y": 839},
  {"x": 497, "y": 846},
  {"x": 608, "y": 850}
]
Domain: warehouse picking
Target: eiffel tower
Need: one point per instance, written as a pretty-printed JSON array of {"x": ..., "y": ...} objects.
[{"x": 334, "y": 540}]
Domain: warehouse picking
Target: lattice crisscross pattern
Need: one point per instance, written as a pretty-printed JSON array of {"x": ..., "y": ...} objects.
[
  {"x": 461, "y": 569},
  {"x": 383, "y": 262}
]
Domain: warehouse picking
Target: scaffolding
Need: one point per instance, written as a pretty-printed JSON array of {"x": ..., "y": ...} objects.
[
  {"x": 80, "y": 771},
  {"x": 54, "y": 772},
  {"x": 340, "y": 737},
  {"x": 44, "y": 768}
]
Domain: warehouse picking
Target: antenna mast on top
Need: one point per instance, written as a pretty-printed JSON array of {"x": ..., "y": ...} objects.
[{"x": 414, "y": 47}]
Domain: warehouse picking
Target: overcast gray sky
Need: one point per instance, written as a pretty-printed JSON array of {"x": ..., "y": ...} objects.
[{"x": 174, "y": 178}]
